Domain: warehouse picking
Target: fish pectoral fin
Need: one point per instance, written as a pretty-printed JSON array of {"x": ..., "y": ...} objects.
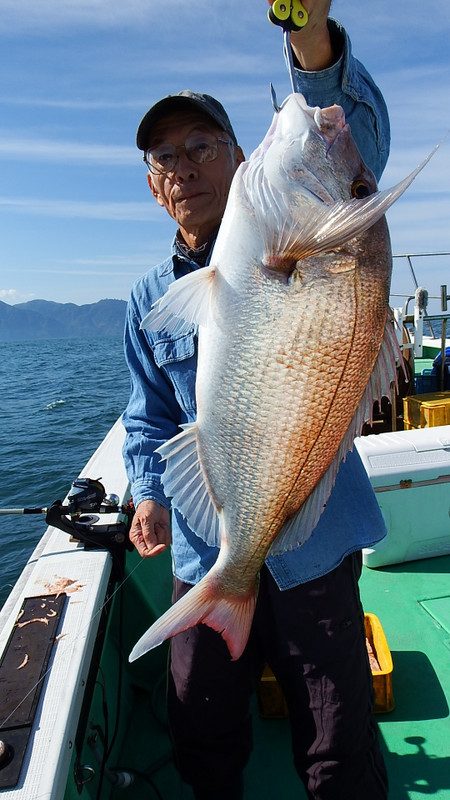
[
  {"x": 229, "y": 615},
  {"x": 184, "y": 481},
  {"x": 326, "y": 227},
  {"x": 186, "y": 302}
]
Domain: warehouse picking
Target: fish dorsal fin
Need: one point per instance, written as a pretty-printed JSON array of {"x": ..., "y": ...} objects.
[
  {"x": 186, "y": 302},
  {"x": 300, "y": 527},
  {"x": 184, "y": 481}
]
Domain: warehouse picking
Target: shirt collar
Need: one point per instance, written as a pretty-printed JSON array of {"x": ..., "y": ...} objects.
[{"x": 170, "y": 264}]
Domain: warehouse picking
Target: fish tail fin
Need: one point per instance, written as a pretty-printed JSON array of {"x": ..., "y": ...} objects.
[{"x": 230, "y": 615}]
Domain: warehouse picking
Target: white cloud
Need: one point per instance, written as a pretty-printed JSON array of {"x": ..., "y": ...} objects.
[
  {"x": 33, "y": 149},
  {"x": 112, "y": 260},
  {"x": 230, "y": 94},
  {"x": 12, "y": 296},
  {"x": 8, "y": 294},
  {"x": 433, "y": 179},
  {"x": 394, "y": 23},
  {"x": 74, "y": 104},
  {"x": 33, "y": 17},
  {"x": 125, "y": 212}
]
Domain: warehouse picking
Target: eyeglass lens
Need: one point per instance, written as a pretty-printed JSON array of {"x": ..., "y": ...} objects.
[{"x": 199, "y": 147}]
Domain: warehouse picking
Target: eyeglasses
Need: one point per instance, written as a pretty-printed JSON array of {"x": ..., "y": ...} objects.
[{"x": 199, "y": 148}]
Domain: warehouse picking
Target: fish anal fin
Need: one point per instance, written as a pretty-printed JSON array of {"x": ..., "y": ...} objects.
[
  {"x": 300, "y": 526},
  {"x": 229, "y": 615}
]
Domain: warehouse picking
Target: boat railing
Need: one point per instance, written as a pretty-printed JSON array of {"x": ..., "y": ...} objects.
[{"x": 420, "y": 315}]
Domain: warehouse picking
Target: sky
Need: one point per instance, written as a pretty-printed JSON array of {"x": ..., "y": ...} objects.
[{"x": 77, "y": 222}]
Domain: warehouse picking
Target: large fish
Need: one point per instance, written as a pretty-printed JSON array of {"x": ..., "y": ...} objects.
[{"x": 295, "y": 344}]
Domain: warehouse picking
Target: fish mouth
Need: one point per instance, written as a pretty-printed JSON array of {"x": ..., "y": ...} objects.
[{"x": 330, "y": 123}]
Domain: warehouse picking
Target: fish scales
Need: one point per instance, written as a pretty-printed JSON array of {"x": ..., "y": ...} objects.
[
  {"x": 295, "y": 345},
  {"x": 291, "y": 408}
]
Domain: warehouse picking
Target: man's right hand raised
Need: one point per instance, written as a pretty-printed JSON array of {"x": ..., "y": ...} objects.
[{"x": 150, "y": 529}]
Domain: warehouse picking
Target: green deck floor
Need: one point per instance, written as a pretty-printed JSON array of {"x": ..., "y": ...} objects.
[{"x": 413, "y": 603}]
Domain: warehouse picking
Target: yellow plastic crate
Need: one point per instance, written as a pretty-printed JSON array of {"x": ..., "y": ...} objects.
[
  {"x": 382, "y": 671},
  {"x": 426, "y": 410},
  {"x": 272, "y": 703}
]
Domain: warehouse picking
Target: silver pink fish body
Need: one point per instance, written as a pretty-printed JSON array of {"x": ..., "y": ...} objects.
[{"x": 294, "y": 347}]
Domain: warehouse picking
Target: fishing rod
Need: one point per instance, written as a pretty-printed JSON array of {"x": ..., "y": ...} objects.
[
  {"x": 291, "y": 15},
  {"x": 79, "y": 518}
]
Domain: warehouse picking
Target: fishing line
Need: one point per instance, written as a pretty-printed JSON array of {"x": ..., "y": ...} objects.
[
  {"x": 72, "y": 641},
  {"x": 287, "y": 50}
]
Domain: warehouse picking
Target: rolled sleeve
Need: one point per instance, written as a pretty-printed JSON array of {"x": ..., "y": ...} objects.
[{"x": 348, "y": 84}]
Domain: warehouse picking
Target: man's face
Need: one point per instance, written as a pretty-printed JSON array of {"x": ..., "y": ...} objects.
[{"x": 194, "y": 195}]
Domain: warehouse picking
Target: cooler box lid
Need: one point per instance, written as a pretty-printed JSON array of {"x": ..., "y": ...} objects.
[
  {"x": 405, "y": 458},
  {"x": 410, "y": 474}
]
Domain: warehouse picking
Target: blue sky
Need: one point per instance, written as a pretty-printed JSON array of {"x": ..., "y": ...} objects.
[{"x": 77, "y": 222}]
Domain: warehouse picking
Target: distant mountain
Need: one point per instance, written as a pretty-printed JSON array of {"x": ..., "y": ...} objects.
[{"x": 43, "y": 319}]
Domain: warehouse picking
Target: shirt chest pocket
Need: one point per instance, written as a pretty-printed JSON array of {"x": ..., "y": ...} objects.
[{"x": 176, "y": 357}]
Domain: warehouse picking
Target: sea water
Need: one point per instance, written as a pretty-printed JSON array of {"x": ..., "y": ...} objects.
[{"x": 59, "y": 398}]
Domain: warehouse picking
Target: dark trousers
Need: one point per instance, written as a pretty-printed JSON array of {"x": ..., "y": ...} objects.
[{"x": 313, "y": 638}]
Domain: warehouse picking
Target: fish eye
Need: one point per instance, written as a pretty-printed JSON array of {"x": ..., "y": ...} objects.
[{"x": 360, "y": 189}]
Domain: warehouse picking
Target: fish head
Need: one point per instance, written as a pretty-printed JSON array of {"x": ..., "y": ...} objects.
[
  {"x": 310, "y": 152},
  {"x": 309, "y": 191}
]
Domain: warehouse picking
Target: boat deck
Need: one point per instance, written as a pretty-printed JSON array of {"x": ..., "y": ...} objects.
[{"x": 413, "y": 603}]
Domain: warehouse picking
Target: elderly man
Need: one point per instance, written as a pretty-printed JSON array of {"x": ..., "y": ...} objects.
[{"x": 308, "y": 622}]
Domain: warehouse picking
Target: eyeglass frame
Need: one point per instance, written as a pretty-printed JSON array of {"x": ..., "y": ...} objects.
[{"x": 154, "y": 171}]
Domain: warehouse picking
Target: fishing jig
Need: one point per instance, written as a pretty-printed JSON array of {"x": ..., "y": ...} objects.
[{"x": 291, "y": 15}]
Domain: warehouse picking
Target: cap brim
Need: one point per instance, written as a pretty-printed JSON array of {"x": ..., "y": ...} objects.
[{"x": 164, "y": 107}]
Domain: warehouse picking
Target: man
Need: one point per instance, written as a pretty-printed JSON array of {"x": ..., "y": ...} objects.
[{"x": 308, "y": 622}]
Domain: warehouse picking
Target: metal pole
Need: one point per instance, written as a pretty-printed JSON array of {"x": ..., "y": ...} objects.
[{"x": 444, "y": 298}]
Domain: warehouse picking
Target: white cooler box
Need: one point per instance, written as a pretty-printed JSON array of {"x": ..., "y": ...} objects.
[{"x": 410, "y": 474}]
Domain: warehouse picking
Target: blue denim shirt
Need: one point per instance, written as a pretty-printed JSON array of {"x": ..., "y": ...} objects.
[{"x": 163, "y": 369}]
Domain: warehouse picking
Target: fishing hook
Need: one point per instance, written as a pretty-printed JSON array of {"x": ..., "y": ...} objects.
[{"x": 273, "y": 94}]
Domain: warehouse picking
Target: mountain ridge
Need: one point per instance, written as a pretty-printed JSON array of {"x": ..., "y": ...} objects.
[{"x": 47, "y": 319}]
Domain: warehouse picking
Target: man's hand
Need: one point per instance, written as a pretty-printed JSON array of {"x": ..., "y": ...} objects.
[
  {"x": 312, "y": 45},
  {"x": 150, "y": 529}
]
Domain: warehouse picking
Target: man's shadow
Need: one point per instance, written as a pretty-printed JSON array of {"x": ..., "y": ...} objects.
[
  {"x": 419, "y": 697},
  {"x": 417, "y": 771}
]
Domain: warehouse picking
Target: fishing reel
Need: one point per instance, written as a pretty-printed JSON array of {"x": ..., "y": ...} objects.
[
  {"x": 87, "y": 494},
  {"x": 80, "y": 517}
]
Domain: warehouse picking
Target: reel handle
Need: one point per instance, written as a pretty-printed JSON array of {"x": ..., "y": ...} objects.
[{"x": 291, "y": 15}]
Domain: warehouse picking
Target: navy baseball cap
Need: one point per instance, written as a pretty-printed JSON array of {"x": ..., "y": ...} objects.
[{"x": 185, "y": 100}]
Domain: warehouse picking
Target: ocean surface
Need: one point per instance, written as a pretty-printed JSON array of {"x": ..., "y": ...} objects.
[{"x": 59, "y": 398}]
